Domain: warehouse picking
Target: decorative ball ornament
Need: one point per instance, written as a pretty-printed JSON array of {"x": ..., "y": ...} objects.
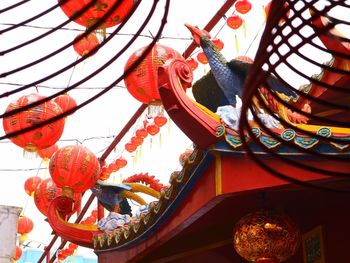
[
  {"x": 74, "y": 168},
  {"x": 31, "y": 184},
  {"x": 142, "y": 82},
  {"x": 265, "y": 236},
  {"x": 202, "y": 58},
  {"x": 234, "y": 21},
  {"x": 243, "y": 6},
  {"x": 85, "y": 45},
  {"x": 65, "y": 102},
  {"x": 39, "y": 138},
  {"x": 97, "y": 11},
  {"x": 47, "y": 191}
]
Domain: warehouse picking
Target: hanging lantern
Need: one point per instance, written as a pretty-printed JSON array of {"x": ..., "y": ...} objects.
[
  {"x": 65, "y": 102},
  {"x": 160, "y": 120},
  {"x": 73, "y": 246},
  {"x": 142, "y": 82},
  {"x": 286, "y": 9},
  {"x": 152, "y": 129},
  {"x": 105, "y": 173},
  {"x": 31, "y": 184},
  {"x": 265, "y": 236},
  {"x": 234, "y": 21},
  {"x": 137, "y": 141},
  {"x": 46, "y": 153},
  {"x": 243, "y": 6},
  {"x": 18, "y": 253},
  {"x": 121, "y": 162},
  {"x": 244, "y": 59},
  {"x": 47, "y": 191},
  {"x": 130, "y": 147},
  {"x": 25, "y": 226},
  {"x": 142, "y": 133},
  {"x": 38, "y": 138},
  {"x": 86, "y": 44},
  {"x": 218, "y": 43},
  {"x": 202, "y": 58},
  {"x": 97, "y": 11},
  {"x": 74, "y": 168},
  {"x": 192, "y": 63}
]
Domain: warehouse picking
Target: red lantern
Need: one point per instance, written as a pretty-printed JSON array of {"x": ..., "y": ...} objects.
[
  {"x": 121, "y": 162},
  {"x": 160, "y": 120},
  {"x": 42, "y": 137},
  {"x": 286, "y": 8},
  {"x": 218, "y": 43},
  {"x": 234, "y": 21},
  {"x": 142, "y": 82},
  {"x": 192, "y": 63},
  {"x": 105, "y": 173},
  {"x": 245, "y": 59},
  {"x": 66, "y": 102},
  {"x": 18, "y": 253},
  {"x": 86, "y": 44},
  {"x": 142, "y": 133},
  {"x": 96, "y": 12},
  {"x": 47, "y": 191},
  {"x": 202, "y": 58},
  {"x": 137, "y": 141},
  {"x": 130, "y": 147},
  {"x": 61, "y": 255},
  {"x": 152, "y": 129},
  {"x": 73, "y": 246},
  {"x": 46, "y": 153},
  {"x": 31, "y": 184},
  {"x": 25, "y": 226},
  {"x": 74, "y": 168},
  {"x": 243, "y": 6},
  {"x": 265, "y": 236}
]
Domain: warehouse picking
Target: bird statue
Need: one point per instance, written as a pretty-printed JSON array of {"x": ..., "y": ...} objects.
[
  {"x": 225, "y": 81},
  {"x": 109, "y": 196}
]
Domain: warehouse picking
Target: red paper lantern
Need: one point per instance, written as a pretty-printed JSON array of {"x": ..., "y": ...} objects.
[
  {"x": 31, "y": 184},
  {"x": 18, "y": 253},
  {"x": 160, "y": 120},
  {"x": 130, "y": 147},
  {"x": 61, "y": 255},
  {"x": 46, "y": 153},
  {"x": 66, "y": 102},
  {"x": 243, "y": 6},
  {"x": 202, "y": 58},
  {"x": 86, "y": 44},
  {"x": 47, "y": 191},
  {"x": 121, "y": 162},
  {"x": 97, "y": 11},
  {"x": 142, "y": 82},
  {"x": 137, "y": 141},
  {"x": 266, "y": 235},
  {"x": 39, "y": 138},
  {"x": 245, "y": 59},
  {"x": 152, "y": 129},
  {"x": 286, "y": 8},
  {"x": 25, "y": 225},
  {"x": 142, "y": 133},
  {"x": 105, "y": 173},
  {"x": 234, "y": 21},
  {"x": 192, "y": 63},
  {"x": 218, "y": 43},
  {"x": 74, "y": 168},
  {"x": 72, "y": 245}
]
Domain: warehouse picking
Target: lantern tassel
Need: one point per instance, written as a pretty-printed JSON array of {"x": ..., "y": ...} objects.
[
  {"x": 244, "y": 28},
  {"x": 236, "y": 44}
]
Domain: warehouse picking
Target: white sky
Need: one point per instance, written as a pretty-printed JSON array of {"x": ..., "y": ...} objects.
[{"x": 106, "y": 116}]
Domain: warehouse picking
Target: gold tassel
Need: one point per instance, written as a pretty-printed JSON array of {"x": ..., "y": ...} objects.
[
  {"x": 140, "y": 152},
  {"x": 150, "y": 143},
  {"x": 244, "y": 28},
  {"x": 236, "y": 42},
  {"x": 121, "y": 178},
  {"x": 160, "y": 139}
]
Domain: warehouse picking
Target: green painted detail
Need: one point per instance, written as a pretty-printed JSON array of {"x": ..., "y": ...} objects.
[
  {"x": 220, "y": 130},
  {"x": 288, "y": 135},
  {"x": 305, "y": 142},
  {"x": 146, "y": 218},
  {"x": 324, "y": 132},
  {"x": 234, "y": 140},
  {"x": 256, "y": 132},
  {"x": 269, "y": 142}
]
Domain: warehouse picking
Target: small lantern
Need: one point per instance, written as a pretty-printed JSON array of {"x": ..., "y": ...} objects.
[
  {"x": 85, "y": 45},
  {"x": 160, "y": 120},
  {"x": 65, "y": 102},
  {"x": 31, "y": 184},
  {"x": 234, "y": 21},
  {"x": 218, "y": 43},
  {"x": 265, "y": 236},
  {"x": 202, "y": 58},
  {"x": 142, "y": 133},
  {"x": 25, "y": 226},
  {"x": 192, "y": 63},
  {"x": 46, "y": 153},
  {"x": 243, "y": 6},
  {"x": 130, "y": 147},
  {"x": 152, "y": 129}
]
